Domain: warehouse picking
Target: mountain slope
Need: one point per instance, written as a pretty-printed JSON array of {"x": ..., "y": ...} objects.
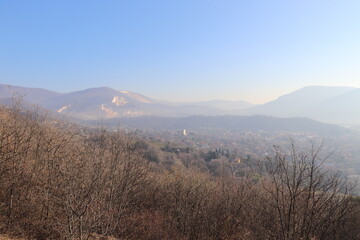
[
  {"x": 344, "y": 109},
  {"x": 297, "y": 104},
  {"x": 102, "y": 103},
  {"x": 97, "y": 103},
  {"x": 30, "y": 95},
  {"x": 327, "y": 104}
]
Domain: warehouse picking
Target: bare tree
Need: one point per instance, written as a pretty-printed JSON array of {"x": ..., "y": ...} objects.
[{"x": 304, "y": 201}]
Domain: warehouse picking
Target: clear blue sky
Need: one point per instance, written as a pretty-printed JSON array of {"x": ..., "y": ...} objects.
[{"x": 181, "y": 49}]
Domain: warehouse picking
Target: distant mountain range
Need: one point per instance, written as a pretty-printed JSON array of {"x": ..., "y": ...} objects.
[
  {"x": 104, "y": 103},
  {"x": 339, "y": 105}
]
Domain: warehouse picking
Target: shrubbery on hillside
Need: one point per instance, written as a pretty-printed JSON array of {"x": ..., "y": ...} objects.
[{"x": 63, "y": 182}]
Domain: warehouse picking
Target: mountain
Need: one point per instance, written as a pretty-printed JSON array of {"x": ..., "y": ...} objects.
[
  {"x": 297, "y": 103},
  {"x": 344, "y": 109},
  {"x": 337, "y": 105},
  {"x": 96, "y": 103},
  {"x": 327, "y": 104},
  {"x": 30, "y": 95},
  {"x": 104, "y": 102}
]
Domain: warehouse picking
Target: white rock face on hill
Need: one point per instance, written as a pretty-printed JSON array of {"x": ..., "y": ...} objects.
[
  {"x": 63, "y": 108},
  {"x": 137, "y": 97},
  {"x": 109, "y": 112},
  {"x": 119, "y": 101}
]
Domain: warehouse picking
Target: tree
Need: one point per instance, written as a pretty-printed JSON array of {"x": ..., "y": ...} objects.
[{"x": 304, "y": 201}]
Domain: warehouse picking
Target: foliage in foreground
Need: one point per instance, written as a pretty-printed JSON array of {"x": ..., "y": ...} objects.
[{"x": 57, "y": 182}]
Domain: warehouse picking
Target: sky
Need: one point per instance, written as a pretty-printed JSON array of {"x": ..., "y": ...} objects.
[{"x": 181, "y": 50}]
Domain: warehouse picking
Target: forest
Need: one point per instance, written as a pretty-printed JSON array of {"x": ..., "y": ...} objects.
[{"x": 64, "y": 181}]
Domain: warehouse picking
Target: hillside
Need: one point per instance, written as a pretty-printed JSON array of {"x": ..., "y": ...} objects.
[
  {"x": 327, "y": 104},
  {"x": 104, "y": 102},
  {"x": 30, "y": 95},
  {"x": 52, "y": 172},
  {"x": 228, "y": 123},
  {"x": 336, "y": 105}
]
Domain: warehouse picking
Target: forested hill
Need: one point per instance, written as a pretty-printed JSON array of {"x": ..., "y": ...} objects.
[{"x": 232, "y": 123}]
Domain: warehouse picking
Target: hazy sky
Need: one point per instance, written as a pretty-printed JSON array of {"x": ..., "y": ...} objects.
[{"x": 181, "y": 49}]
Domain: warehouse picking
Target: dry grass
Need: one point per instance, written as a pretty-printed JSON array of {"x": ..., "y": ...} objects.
[{"x": 5, "y": 237}]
